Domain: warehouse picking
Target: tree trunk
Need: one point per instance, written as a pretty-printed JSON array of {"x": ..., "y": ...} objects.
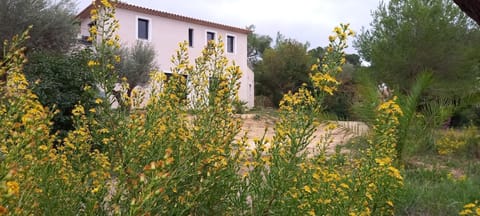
[{"x": 471, "y": 8}]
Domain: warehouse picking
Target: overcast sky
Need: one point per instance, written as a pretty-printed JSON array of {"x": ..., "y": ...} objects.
[{"x": 303, "y": 20}]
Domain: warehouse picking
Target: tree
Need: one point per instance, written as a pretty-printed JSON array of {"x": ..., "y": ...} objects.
[
  {"x": 257, "y": 44},
  {"x": 411, "y": 36},
  {"x": 340, "y": 103},
  {"x": 53, "y": 23},
  {"x": 353, "y": 59},
  {"x": 283, "y": 68},
  {"x": 59, "y": 81},
  {"x": 136, "y": 64},
  {"x": 316, "y": 54}
]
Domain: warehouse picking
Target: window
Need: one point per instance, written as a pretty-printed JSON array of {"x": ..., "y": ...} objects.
[
  {"x": 230, "y": 44},
  {"x": 190, "y": 37},
  {"x": 143, "y": 29},
  {"x": 91, "y": 24},
  {"x": 210, "y": 36},
  {"x": 86, "y": 39}
]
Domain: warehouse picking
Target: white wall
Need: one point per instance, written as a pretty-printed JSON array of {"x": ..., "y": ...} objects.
[{"x": 166, "y": 34}]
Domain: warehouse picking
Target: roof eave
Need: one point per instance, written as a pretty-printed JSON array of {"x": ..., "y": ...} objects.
[{"x": 85, "y": 13}]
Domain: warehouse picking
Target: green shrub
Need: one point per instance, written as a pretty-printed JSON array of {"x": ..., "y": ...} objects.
[{"x": 58, "y": 80}]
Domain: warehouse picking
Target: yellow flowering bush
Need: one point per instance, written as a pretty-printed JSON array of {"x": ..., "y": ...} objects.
[
  {"x": 178, "y": 155},
  {"x": 454, "y": 142},
  {"x": 34, "y": 176},
  {"x": 449, "y": 143}
]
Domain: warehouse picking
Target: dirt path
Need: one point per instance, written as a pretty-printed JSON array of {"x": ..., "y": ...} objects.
[{"x": 255, "y": 126}]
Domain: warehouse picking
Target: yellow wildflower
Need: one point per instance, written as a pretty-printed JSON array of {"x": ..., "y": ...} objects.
[
  {"x": 43, "y": 147},
  {"x": 390, "y": 203},
  {"x": 106, "y": 3},
  {"x": 332, "y": 38},
  {"x": 344, "y": 186},
  {"x": 337, "y": 30},
  {"x": 469, "y": 205},
  {"x": 383, "y": 161},
  {"x": 13, "y": 187},
  {"x": 328, "y": 90},
  {"x": 95, "y": 190},
  {"x": 78, "y": 110},
  {"x": 169, "y": 160},
  {"x": 466, "y": 212},
  {"x": 109, "y": 42},
  {"x": 92, "y": 63},
  {"x": 93, "y": 30},
  {"x": 316, "y": 176},
  {"x": 307, "y": 189}
]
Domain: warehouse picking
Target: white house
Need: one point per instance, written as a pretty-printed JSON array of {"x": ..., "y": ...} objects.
[{"x": 165, "y": 30}]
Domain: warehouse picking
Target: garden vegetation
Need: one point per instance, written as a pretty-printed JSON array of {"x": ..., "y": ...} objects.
[{"x": 178, "y": 155}]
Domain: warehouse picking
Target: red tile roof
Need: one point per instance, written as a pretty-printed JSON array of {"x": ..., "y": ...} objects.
[{"x": 86, "y": 13}]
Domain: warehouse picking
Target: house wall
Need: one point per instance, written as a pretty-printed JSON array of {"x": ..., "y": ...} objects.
[{"x": 166, "y": 34}]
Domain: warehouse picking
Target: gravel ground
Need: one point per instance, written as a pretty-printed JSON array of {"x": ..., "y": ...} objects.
[{"x": 255, "y": 126}]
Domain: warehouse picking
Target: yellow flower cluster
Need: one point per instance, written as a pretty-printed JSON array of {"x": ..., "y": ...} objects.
[
  {"x": 471, "y": 209},
  {"x": 25, "y": 142},
  {"x": 104, "y": 37},
  {"x": 323, "y": 73},
  {"x": 450, "y": 142},
  {"x": 181, "y": 155}
]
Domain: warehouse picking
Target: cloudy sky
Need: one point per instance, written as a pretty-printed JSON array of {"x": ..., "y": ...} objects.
[{"x": 303, "y": 20}]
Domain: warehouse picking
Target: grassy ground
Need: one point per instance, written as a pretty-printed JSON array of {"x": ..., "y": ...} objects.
[
  {"x": 439, "y": 185},
  {"x": 434, "y": 184}
]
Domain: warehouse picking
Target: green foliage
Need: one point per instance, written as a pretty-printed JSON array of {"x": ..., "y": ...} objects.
[
  {"x": 420, "y": 120},
  {"x": 257, "y": 44},
  {"x": 353, "y": 59},
  {"x": 465, "y": 116},
  {"x": 54, "y": 27},
  {"x": 59, "y": 80},
  {"x": 341, "y": 104},
  {"x": 316, "y": 54},
  {"x": 180, "y": 155},
  {"x": 239, "y": 107},
  {"x": 367, "y": 97},
  {"x": 408, "y": 37},
  {"x": 409, "y": 104},
  {"x": 283, "y": 68},
  {"x": 137, "y": 63}
]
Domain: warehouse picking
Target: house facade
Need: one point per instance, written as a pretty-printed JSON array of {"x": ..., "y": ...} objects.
[{"x": 166, "y": 30}]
